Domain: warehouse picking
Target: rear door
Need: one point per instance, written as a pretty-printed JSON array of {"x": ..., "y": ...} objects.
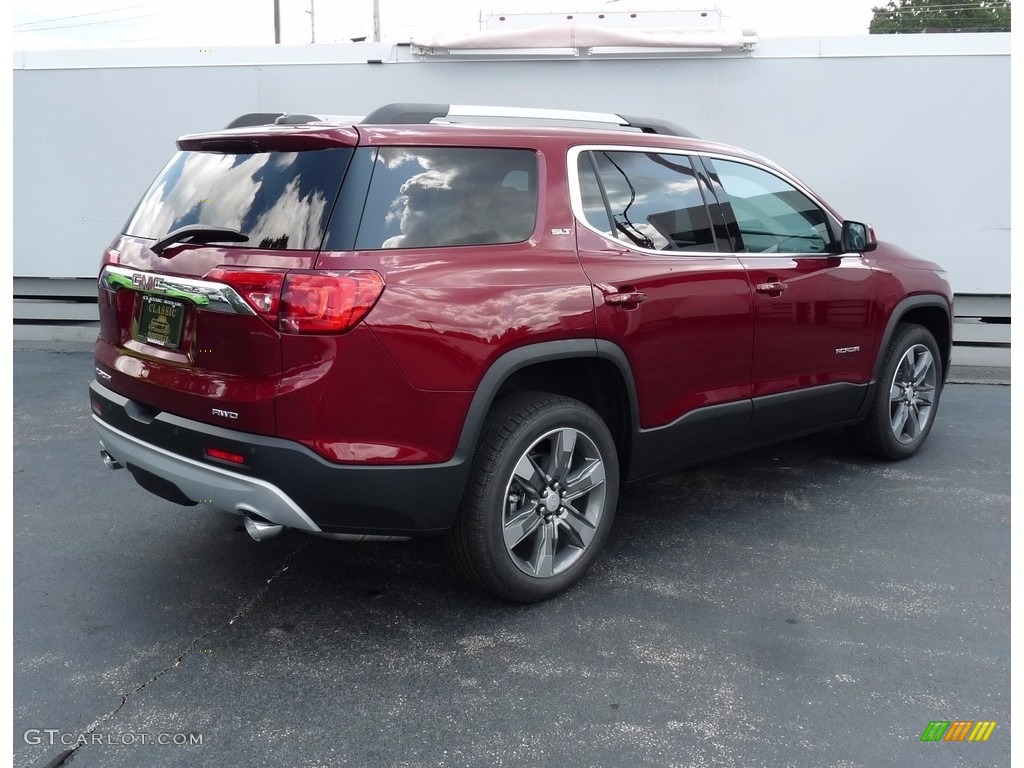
[
  {"x": 813, "y": 331},
  {"x": 679, "y": 309},
  {"x": 193, "y": 327}
]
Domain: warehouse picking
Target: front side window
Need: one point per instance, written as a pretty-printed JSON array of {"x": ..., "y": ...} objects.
[
  {"x": 279, "y": 199},
  {"x": 650, "y": 200},
  {"x": 773, "y": 216},
  {"x": 422, "y": 197}
]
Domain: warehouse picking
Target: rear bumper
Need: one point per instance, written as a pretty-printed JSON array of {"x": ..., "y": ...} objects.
[
  {"x": 281, "y": 481},
  {"x": 200, "y": 483}
]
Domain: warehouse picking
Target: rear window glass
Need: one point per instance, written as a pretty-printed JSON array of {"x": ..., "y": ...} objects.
[
  {"x": 279, "y": 199},
  {"x": 422, "y": 197},
  {"x": 651, "y": 200}
]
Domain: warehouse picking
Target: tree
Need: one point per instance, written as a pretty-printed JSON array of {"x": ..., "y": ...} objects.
[{"x": 903, "y": 16}]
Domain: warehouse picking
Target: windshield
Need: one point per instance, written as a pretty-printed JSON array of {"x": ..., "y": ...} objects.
[{"x": 279, "y": 199}]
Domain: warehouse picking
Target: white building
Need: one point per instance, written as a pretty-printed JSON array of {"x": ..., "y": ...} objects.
[{"x": 908, "y": 132}]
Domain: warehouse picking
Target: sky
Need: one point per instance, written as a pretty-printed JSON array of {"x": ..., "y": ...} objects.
[{"x": 54, "y": 24}]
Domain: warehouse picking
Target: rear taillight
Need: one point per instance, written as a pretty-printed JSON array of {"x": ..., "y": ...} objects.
[
  {"x": 261, "y": 288},
  {"x": 305, "y": 302},
  {"x": 327, "y": 302}
]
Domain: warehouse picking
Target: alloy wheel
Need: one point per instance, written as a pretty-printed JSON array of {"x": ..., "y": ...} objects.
[
  {"x": 912, "y": 394},
  {"x": 553, "y": 502}
]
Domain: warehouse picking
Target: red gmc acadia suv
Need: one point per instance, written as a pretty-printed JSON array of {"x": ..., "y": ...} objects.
[{"x": 478, "y": 323}]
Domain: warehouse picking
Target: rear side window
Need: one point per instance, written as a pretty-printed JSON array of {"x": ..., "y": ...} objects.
[
  {"x": 421, "y": 197},
  {"x": 651, "y": 200},
  {"x": 279, "y": 199},
  {"x": 773, "y": 216}
]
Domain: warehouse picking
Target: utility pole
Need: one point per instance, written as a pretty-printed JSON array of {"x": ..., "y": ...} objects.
[
  {"x": 277, "y": 22},
  {"x": 312, "y": 22},
  {"x": 376, "y": 21}
]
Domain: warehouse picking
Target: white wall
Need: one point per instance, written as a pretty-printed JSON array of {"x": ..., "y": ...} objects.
[{"x": 910, "y": 133}]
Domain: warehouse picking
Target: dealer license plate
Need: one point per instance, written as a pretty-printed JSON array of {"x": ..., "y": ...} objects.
[{"x": 161, "y": 321}]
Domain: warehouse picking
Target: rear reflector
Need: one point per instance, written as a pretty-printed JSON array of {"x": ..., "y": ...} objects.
[{"x": 217, "y": 453}]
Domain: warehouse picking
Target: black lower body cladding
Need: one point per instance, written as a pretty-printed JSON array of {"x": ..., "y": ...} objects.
[{"x": 312, "y": 493}]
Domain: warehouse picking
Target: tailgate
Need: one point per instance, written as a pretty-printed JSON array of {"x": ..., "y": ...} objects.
[{"x": 190, "y": 325}]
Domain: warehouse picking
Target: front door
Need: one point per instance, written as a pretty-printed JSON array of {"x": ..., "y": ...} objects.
[{"x": 814, "y": 333}]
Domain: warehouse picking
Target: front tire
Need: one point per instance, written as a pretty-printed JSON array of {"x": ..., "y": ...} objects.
[
  {"x": 540, "y": 500},
  {"x": 907, "y": 397}
]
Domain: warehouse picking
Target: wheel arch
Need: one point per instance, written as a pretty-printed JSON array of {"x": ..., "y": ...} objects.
[
  {"x": 930, "y": 311},
  {"x": 933, "y": 312},
  {"x": 593, "y": 371}
]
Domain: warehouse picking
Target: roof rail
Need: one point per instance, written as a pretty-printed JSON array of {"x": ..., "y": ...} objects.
[{"x": 413, "y": 113}]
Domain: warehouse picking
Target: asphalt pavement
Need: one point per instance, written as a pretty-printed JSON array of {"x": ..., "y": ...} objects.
[{"x": 800, "y": 605}]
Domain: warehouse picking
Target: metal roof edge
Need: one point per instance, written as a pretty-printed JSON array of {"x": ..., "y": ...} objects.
[
  {"x": 958, "y": 44},
  {"x": 868, "y": 46},
  {"x": 213, "y": 56}
]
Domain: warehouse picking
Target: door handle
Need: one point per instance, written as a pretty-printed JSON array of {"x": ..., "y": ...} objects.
[
  {"x": 630, "y": 297},
  {"x": 773, "y": 288}
]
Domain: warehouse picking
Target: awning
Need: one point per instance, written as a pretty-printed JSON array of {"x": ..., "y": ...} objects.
[{"x": 583, "y": 37}]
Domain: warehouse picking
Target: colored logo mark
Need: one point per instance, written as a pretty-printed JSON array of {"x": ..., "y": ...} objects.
[{"x": 958, "y": 730}]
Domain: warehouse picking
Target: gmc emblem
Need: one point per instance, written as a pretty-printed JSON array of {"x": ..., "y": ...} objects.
[{"x": 148, "y": 282}]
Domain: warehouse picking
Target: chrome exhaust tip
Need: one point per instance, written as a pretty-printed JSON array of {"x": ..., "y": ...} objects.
[
  {"x": 109, "y": 461},
  {"x": 261, "y": 530}
]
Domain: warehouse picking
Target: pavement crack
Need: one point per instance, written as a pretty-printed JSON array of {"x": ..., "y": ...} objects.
[{"x": 85, "y": 736}]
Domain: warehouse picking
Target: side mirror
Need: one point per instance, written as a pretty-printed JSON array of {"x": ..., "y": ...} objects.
[{"x": 858, "y": 237}]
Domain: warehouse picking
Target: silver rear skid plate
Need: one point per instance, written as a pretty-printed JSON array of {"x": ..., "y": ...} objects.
[
  {"x": 205, "y": 484},
  {"x": 265, "y": 507}
]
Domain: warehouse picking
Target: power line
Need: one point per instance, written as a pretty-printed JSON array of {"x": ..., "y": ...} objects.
[
  {"x": 89, "y": 23},
  {"x": 978, "y": 6},
  {"x": 83, "y": 15}
]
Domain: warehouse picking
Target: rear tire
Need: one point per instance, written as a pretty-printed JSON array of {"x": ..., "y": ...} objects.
[
  {"x": 540, "y": 499},
  {"x": 907, "y": 398}
]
